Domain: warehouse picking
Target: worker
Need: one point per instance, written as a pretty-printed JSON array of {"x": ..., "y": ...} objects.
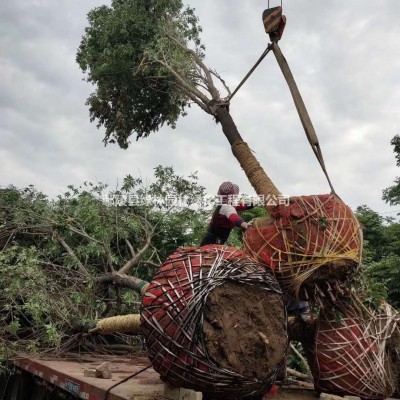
[{"x": 225, "y": 216}]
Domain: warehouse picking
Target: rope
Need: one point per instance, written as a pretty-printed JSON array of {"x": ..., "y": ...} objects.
[
  {"x": 352, "y": 353},
  {"x": 119, "y": 324},
  {"x": 173, "y": 317},
  {"x": 256, "y": 174},
  {"x": 263, "y": 55},
  {"x": 315, "y": 231},
  {"x": 124, "y": 380}
]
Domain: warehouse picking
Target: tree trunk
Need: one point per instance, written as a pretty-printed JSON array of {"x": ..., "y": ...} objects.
[
  {"x": 123, "y": 280},
  {"x": 120, "y": 324},
  {"x": 260, "y": 181}
]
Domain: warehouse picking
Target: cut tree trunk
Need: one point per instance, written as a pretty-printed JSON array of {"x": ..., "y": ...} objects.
[{"x": 260, "y": 181}]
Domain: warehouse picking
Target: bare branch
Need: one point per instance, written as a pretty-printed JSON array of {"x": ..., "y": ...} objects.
[
  {"x": 130, "y": 247},
  {"x": 213, "y": 90},
  {"x": 218, "y": 76},
  {"x": 61, "y": 270},
  {"x": 150, "y": 263},
  {"x": 84, "y": 234},
  {"x": 122, "y": 280},
  {"x": 298, "y": 374},
  {"x": 109, "y": 260},
  {"x": 182, "y": 82},
  {"x": 156, "y": 253},
  {"x": 10, "y": 236},
  {"x": 301, "y": 358},
  {"x": 135, "y": 260},
  {"x": 197, "y": 101},
  {"x": 136, "y": 256},
  {"x": 80, "y": 266}
]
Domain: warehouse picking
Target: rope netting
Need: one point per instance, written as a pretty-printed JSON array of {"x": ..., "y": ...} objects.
[
  {"x": 180, "y": 309},
  {"x": 300, "y": 238},
  {"x": 357, "y": 353}
]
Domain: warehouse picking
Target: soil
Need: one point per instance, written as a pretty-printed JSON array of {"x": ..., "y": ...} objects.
[{"x": 244, "y": 329}]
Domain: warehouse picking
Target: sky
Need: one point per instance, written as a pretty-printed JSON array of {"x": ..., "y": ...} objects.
[{"x": 345, "y": 57}]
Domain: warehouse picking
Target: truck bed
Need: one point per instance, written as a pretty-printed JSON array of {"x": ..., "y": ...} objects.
[{"x": 67, "y": 374}]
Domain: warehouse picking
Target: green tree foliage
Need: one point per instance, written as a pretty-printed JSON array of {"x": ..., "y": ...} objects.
[
  {"x": 392, "y": 194},
  {"x": 236, "y": 236},
  {"x": 135, "y": 52},
  {"x": 69, "y": 261},
  {"x": 380, "y": 274},
  {"x": 145, "y": 59},
  {"x": 374, "y": 228},
  {"x": 381, "y": 265}
]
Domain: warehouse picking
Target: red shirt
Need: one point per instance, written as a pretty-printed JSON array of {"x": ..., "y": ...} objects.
[{"x": 228, "y": 216}]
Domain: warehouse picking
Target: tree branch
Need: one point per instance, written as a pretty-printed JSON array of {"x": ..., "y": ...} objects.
[
  {"x": 130, "y": 247},
  {"x": 210, "y": 83},
  {"x": 183, "y": 84},
  {"x": 156, "y": 253},
  {"x": 109, "y": 260},
  {"x": 135, "y": 260},
  {"x": 301, "y": 358},
  {"x": 218, "y": 76},
  {"x": 122, "y": 280},
  {"x": 298, "y": 374},
  {"x": 151, "y": 264},
  {"x": 80, "y": 266},
  {"x": 197, "y": 101},
  {"x": 84, "y": 234}
]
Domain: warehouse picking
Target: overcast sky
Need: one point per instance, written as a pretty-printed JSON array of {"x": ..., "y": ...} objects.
[{"x": 345, "y": 56}]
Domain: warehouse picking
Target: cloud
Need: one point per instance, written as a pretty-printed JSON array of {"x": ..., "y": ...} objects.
[{"x": 344, "y": 56}]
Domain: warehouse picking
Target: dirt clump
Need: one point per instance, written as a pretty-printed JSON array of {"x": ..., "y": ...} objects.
[{"x": 245, "y": 329}]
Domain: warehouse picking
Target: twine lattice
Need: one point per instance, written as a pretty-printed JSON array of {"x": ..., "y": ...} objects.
[
  {"x": 173, "y": 316},
  {"x": 300, "y": 238},
  {"x": 353, "y": 354}
]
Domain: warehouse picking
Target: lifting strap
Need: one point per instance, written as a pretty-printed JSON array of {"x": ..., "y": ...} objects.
[{"x": 301, "y": 109}]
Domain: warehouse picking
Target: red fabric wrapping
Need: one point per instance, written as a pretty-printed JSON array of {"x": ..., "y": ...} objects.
[
  {"x": 172, "y": 312},
  {"x": 299, "y": 238},
  {"x": 351, "y": 354}
]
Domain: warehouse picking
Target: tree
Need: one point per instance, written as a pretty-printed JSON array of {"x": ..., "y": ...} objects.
[
  {"x": 374, "y": 231},
  {"x": 392, "y": 194},
  {"x": 145, "y": 58},
  {"x": 66, "y": 262},
  {"x": 380, "y": 273}
]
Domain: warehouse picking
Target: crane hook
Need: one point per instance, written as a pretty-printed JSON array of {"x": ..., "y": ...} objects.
[{"x": 274, "y": 22}]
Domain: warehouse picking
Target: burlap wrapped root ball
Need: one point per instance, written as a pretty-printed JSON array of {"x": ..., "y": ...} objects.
[
  {"x": 356, "y": 352},
  {"x": 214, "y": 321},
  {"x": 314, "y": 239}
]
